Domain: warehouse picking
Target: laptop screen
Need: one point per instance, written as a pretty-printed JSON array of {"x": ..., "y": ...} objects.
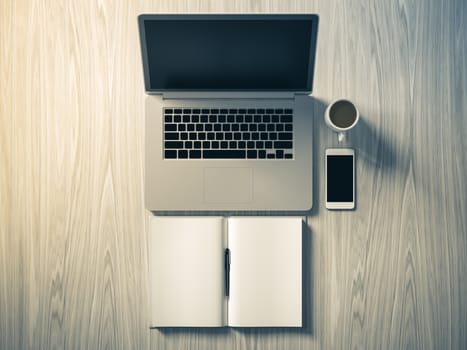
[{"x": 228, "y": 52}]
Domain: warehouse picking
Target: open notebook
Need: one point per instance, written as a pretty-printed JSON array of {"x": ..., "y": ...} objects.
[{"x": 192, "y": 283}]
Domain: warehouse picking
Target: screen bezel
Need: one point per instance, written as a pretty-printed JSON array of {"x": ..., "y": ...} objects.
[
  {"x": 207, "y": 17},
  {"x": 340, "y": 152}
]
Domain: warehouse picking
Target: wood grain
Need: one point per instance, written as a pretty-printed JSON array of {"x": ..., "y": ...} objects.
[{"x": 73, "y": 259}]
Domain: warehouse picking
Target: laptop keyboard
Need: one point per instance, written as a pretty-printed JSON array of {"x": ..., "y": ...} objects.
[{"x": 211, "y": 133}]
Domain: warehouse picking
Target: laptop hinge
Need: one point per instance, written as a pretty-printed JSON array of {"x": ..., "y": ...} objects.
[{"x": 227, "y": 95}]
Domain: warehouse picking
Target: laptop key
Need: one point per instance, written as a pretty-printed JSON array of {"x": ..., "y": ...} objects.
[
  {"x": 286, "y": 118},
  {"x": 262, "y": 154},
  {"x": 195, "y": 154},
  {"x": 206, "y": 144},
  {"x": 285, "y": 136},
  {"x": 177, "y": 118},
  {"x": 173, "y": 144},
  {"x": 182, "y": 154},
  {"x": 168, "y": 111},
  {"x": 288, "y": 156},
  {"x": 224, "y": 144},
  {"x": 252, "y": 154},
  {"x": 171, "y": 136},
  {"x": 186, "y": 118},
  {"x": 279, "y": 154},
  {"x": 271, "y": 156},
  {"x": 170, "y": 154},
  {"x": 183, "y": 136},
  {"x": 168, "y": 119},
  {"x": 170, "y": 127},
  {"x": 224, "y": 154},
  {"x": 197, "y": 144},
  {"x": 288, "y": 127},
  {"x": 250, "y": 144},
  {"x": 283, "y": 144}
]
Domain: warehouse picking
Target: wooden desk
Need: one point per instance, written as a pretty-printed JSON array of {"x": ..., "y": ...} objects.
[{"x": 73, "y": 254}]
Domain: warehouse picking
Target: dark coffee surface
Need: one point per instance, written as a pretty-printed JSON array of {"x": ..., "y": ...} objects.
[{"x": 343, "y": 114}]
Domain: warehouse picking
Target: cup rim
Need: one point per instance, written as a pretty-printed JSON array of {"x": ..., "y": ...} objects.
[{"x": 328, "y": 108}]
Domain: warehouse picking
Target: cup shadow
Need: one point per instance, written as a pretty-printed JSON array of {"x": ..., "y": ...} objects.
[{"x": 371, "y": 145}]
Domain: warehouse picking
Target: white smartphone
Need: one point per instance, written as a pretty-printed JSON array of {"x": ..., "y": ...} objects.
[{"x": 340, "y": 178}]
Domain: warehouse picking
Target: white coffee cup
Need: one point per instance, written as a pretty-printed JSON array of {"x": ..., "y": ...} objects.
[{"x": 341, "y": 115}]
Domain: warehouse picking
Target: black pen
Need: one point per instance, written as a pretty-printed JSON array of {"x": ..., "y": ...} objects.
[{"x": 227, "y": 271}]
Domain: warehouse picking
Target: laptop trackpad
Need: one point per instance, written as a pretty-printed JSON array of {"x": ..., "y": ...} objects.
[{"x": 228, "y": 185}]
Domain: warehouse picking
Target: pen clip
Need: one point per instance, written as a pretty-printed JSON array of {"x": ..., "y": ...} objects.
[{"x": 227, "y": 271}]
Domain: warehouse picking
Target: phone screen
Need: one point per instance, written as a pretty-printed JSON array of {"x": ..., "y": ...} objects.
[{"x": 340, "y": 178}]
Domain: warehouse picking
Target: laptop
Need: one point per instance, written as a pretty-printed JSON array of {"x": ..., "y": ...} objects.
[{"x": 229, "y": 119}]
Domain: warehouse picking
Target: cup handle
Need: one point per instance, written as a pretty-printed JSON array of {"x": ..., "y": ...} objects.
[{"x": 340, "y": 136}]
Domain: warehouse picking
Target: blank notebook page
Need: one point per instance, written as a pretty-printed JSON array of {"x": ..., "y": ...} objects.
[
  {"x": 186, "y": 272},
  {"x": 265, "y": 272}
]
